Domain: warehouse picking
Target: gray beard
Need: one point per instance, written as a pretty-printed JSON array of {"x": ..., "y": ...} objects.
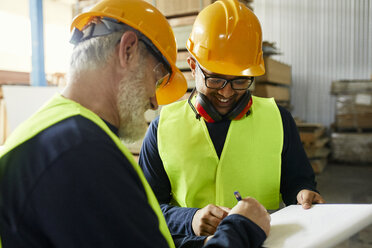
[{"x": 132, "y": 104}]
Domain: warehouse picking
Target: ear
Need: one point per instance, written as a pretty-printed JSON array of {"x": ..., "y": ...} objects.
[
  {"x": 192, "y": 64},
  {"x": 127, "y": 47}
]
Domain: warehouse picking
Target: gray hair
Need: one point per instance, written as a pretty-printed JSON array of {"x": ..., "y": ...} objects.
[{"x": 96, "y": 52}]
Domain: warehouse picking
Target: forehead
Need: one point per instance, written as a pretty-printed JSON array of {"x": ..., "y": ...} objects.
[{"x": 217, "y": 75}]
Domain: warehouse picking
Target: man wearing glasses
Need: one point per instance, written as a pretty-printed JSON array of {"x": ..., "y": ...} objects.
[
  {"x": 66, "y": 179},
  {"x": 223, "y": 139}
]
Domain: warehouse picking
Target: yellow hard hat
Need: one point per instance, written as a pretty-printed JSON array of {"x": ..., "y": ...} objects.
[
  {"x": 145, "y": 18},
  {"x": 227, "y": 39}
]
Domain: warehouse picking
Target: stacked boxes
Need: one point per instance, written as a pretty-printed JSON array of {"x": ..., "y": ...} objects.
[
  {"x": 275, "y": 82},
  {"x": 353, "y": 104},
  {"x": 185, "y": 7},
  {"x": 314, "y": 140},
  {"x": 352, "y": 147},
  {"x": 352, "y": 135}
]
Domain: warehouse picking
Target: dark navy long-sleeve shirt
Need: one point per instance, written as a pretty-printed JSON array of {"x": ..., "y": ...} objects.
[
  {"x": 70, "y": 186},
  {"x": 297, "y": 173}
]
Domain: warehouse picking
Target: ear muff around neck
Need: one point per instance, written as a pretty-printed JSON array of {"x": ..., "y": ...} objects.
[
  {"x": 241, "y": 108},
  {"x": 204, "y": 108}
]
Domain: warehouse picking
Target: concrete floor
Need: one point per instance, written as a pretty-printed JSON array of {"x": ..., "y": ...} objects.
[{"x": 346, "y": 183}]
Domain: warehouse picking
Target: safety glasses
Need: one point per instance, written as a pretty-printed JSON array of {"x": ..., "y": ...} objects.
[{"x": 241, "y": 83}]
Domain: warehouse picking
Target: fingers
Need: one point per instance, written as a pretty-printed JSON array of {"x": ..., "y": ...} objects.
[
  {"x": 206, "y": 220},
  {"x": 307, "y": 197},
  {"x": 207, "y": 229},
  {"x": 210, "y": 224},
  {"x": 318, "y": 199},
  {"x": 227, "y": 210},
  {"x": 212, "y": 219},
  {"x": 253, "y": 210},
  {"x": 219, "y": 212}
]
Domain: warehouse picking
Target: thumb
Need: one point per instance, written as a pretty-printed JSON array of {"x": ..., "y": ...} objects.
[
  {"x": 305, "y": 198},
  {"x": 306, "y": 204}
]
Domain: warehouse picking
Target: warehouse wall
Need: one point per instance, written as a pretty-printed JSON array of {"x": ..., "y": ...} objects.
[
  {"x": 15, "y": 42},
  {"x": 323, "y": 40}
]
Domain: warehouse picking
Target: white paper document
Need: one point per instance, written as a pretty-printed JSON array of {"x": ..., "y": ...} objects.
[{"x": 324, "y": 225}]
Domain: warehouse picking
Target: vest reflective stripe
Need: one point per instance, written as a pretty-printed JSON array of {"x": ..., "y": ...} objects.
[
  {"x": 60, "y": 108},
  {"x": 250, "y": 161}
]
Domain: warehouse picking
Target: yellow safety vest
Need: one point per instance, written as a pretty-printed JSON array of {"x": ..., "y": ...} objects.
[
  {"x": 60, "y": 108},
  {"x": 250, "y": 161}
]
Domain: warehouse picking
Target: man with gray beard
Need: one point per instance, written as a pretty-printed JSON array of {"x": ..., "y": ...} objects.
[{"x": 66, "y": 179}]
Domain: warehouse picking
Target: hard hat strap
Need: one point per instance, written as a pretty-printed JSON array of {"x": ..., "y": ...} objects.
[{"x": 105, "y": 26}]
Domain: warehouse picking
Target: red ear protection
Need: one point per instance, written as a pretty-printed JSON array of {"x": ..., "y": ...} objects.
[{"x": 204, "y": 108}]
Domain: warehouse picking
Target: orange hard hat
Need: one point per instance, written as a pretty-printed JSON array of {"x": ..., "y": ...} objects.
[
  {"x": 145, "y": 18},
  {"x": 226, "y": 38}
]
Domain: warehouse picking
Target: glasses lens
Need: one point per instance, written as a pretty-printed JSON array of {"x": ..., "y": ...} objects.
[
  {"x": 162, "y": 75},
  {"x": 215, "y": 83},
  {"x": 163, "y": 81},
  {"x": 241, "y": 84},
  {"x": 219, "y": 83}
]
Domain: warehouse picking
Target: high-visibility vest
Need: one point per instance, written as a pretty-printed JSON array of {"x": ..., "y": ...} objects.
[
  {"x": 250, "y": 161},
  {"x": 60, "y": 108}
]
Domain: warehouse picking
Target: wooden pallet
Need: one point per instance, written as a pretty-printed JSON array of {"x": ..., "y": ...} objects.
[
  {"x": 317, "y": 152},
  {"x": 318, "y": 165},
  {"x": 315, "y": 143},
  {"x": 310, "y": 133}
]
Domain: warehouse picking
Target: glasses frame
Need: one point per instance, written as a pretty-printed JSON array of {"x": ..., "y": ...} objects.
[
  {"x": 155, "y": 52},
  {"x": 226, "y": 80}
]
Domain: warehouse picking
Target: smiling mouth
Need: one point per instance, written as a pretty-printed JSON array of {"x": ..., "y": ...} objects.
[{"x": 223, "y": 100}]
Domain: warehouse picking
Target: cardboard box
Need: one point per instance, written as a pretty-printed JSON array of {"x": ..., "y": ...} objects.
[
  {"x": 318, "y": 165},
  {"x": 180, "y": 7},
  {"x": 353, "y": 104},
  {"x": 354, "y": 122},
  {"x": 352, "y": 147},
  {"x": 310, "y": 133},
  {"x": 317, "y": 153},
  {"x": 188, "y": 75},
  {"x": 280, "y": 93},
  {"x": 181, "y": 62},
  {"x": 190, "y": 79},
  {"x": 276, "y": 72},
  {"x": 185, "y": 7},
  {"x": 182, "y": 34},
  {"x": 182, "y": 21},
  {"x": 348, "y": 87},
  {"x": 182, "y": 55}
]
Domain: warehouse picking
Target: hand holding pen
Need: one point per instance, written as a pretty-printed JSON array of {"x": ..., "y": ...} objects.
[
  {"x": 237, "y": 195},
  {"x": 253, "y": 210}
]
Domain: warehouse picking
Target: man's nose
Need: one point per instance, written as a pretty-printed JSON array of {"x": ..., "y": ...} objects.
[
  {"x": 226, "y": 91},
  {"x": 154, "y": 103}
]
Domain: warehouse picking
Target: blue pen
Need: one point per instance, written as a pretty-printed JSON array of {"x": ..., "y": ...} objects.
[{"x": 237, "y": 195}]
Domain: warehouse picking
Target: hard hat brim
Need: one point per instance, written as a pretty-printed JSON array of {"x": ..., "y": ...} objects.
[
  {"x": 228, "y": 68},
  {"x": 174, "y": 89}
]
